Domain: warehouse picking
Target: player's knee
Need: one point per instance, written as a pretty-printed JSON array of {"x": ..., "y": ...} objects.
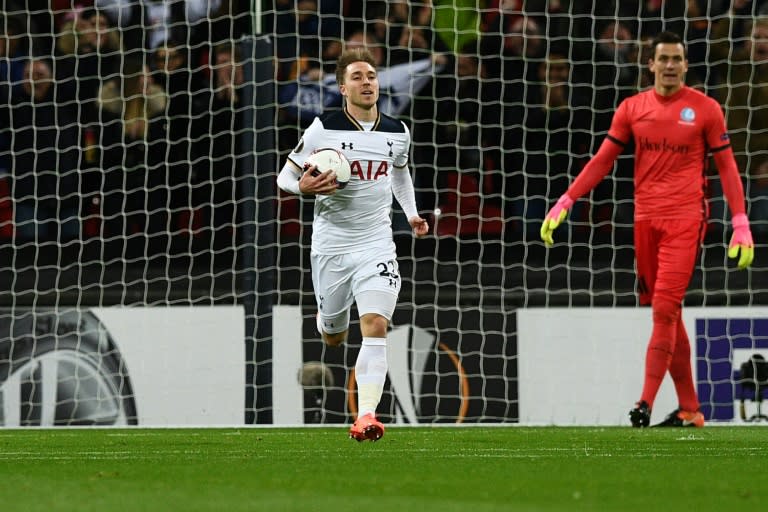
[
  {"x": 336, "y": 339},
  {"x": 665, "y": 311},
  {"x": 374, "y": 325}
]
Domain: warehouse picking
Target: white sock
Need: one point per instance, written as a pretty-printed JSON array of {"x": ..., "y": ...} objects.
[{"x": 370, "y": 373}]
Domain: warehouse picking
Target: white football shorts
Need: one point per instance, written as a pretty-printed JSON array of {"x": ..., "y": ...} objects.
[{"x": 371, "y": 278}]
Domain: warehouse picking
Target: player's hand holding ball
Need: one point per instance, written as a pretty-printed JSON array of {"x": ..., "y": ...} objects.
[
  {"x": 325, "y": 171},
  {"x": 314, "y": 182}
]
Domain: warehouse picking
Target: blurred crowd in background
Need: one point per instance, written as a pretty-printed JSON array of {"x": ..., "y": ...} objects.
[
  {"x": 121, "y": 117},
  {"x": 118, "y": 118}
]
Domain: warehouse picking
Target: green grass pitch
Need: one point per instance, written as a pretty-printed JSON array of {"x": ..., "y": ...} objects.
[{"x": 425, "y": 469}]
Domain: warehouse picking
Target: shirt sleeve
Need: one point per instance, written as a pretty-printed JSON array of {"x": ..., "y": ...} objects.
[
  {"x": 401, "y": 159},
  {"x": 288, "y": 179},
  {"x": 720, "y": 145},
  {"x": 602, "y": 163},
  {"x": 621, "y": 126},
  {"x": 310, "y": 140},
  {"x": 716, "y": 133},
  {"x": 402, "y": 188}
]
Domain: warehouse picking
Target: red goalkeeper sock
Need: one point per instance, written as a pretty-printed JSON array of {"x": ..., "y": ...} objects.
[
  {"x": 660, "y": 349},
  {"x": 657, "y": 361},
  {"x": 681, "y": 372}
]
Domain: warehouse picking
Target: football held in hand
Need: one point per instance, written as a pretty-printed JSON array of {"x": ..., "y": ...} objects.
[{"x": 330, "y": 159}]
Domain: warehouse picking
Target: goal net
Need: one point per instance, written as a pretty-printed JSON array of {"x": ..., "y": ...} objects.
[
  {"x": 140, "y": 141},
  {"x": 517, "y": 97}
]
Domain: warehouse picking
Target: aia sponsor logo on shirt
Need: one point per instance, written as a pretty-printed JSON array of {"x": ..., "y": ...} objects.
[
  {"x": 369, "y": 170},
  {"x": 647, "y": 144},
  {"x": 687, "y": 116}
]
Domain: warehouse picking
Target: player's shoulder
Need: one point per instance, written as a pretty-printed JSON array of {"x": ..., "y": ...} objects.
[
  {"x": 634, "y": 103},
  {"x": 390, "y": 124},
  {"x": 648, "y": 96},
  {"x": 341, "y": 120},
  {"x": 703, "y": 106},
  {"x": 337, "y": 120},
  {"x": 700, "y": 97},
  {"x": 640, "y": 97},
  {"x": 693, "y": 92}
]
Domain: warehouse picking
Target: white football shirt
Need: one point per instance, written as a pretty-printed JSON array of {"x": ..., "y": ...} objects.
[{"x": 358, "y": 216}]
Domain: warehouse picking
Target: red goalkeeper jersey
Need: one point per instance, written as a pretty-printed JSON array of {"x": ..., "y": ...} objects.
[{"x": 673, "y": 136}]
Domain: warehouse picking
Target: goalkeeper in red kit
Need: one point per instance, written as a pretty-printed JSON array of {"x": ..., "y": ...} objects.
[{"x": 675, "y": 128}]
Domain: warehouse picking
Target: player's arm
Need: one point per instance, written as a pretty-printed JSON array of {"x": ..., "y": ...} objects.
[
  {"x": 595, "y": 170},
  {"x": 741, "y": 245},
  {"x": 402, "y": 189},
  {"x": 295, "y": 180}
]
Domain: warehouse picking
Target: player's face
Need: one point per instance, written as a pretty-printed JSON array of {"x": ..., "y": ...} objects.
[
  {"x": 361, "y": 86},
  {"x": 668, "y": 66}
]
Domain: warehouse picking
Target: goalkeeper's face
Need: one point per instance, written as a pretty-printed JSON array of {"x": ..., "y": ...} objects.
[
  {"x": 668, "y": 66},
  {"x": 361, "y": 85}
]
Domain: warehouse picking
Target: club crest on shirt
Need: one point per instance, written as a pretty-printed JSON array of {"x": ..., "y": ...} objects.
[{"x": 687, "y": 115}]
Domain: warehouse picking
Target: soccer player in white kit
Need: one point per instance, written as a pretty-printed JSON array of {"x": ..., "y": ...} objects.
[{"x": 353, "y": 253}]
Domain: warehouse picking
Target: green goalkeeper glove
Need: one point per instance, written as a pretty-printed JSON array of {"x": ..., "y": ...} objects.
[{"x": 553, "y": 219}]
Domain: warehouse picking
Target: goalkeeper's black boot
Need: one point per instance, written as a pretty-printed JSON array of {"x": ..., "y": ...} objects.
[
  {"x": 640, "y": 416},
  {"x": 681, "y": 418}
]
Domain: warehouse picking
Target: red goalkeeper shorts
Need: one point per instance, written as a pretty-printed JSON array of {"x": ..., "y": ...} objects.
[{"x": 666, "y": 253}]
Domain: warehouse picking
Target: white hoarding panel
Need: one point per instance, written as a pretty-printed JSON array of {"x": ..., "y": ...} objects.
[
  {"x": 186, "y": 364},
  {"x": 584, "y": 366}
]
